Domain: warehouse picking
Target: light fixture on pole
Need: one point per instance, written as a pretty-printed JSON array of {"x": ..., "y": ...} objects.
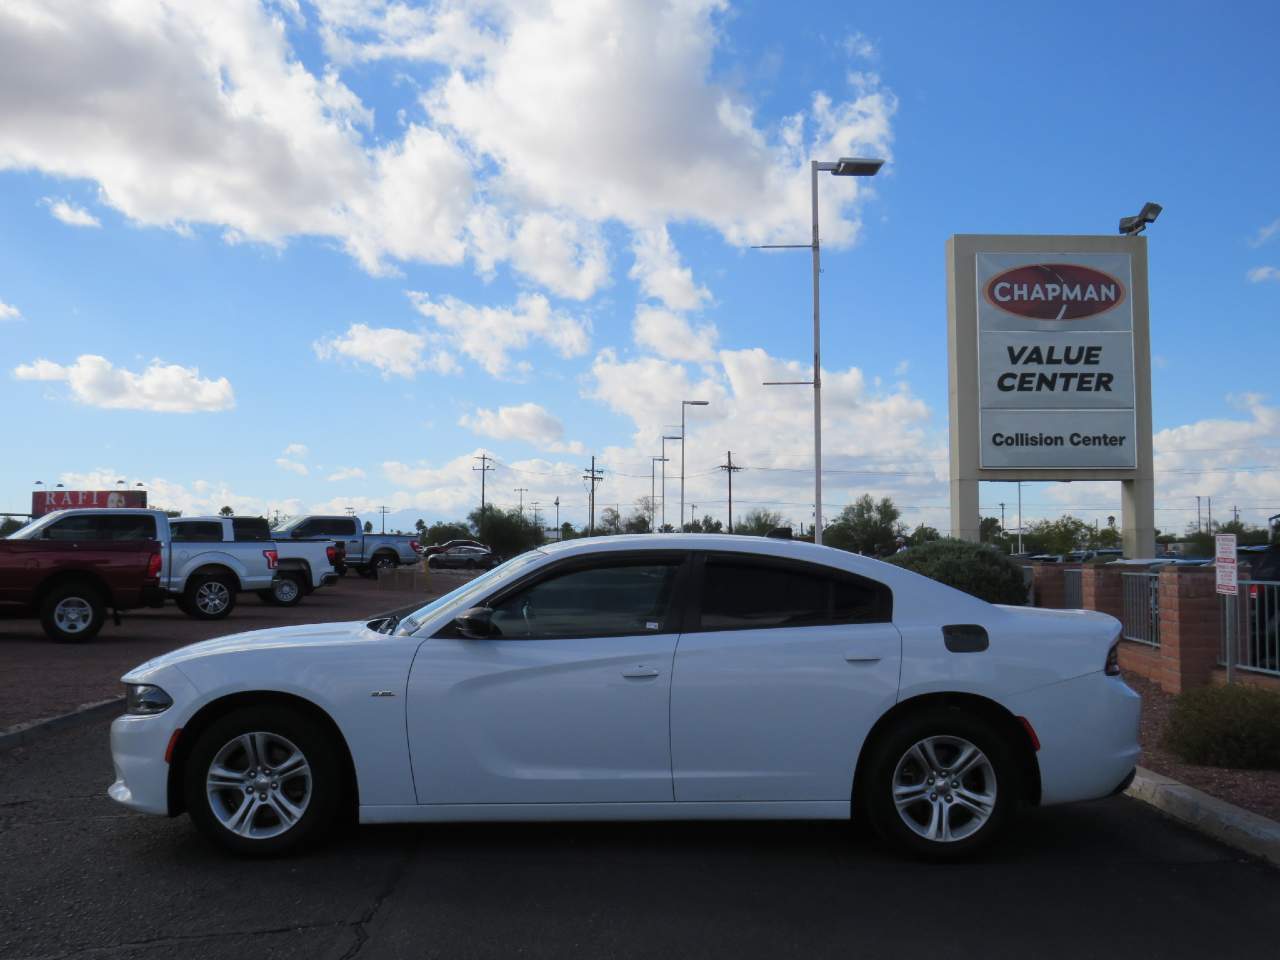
[
  {"x": 653, "y": 504},
  {"x": 844, "y": 167},
  {"x": 683, "y": 404}
]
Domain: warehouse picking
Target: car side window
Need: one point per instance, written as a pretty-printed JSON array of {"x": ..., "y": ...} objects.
[
  {"x": 600, "y": 601},
  {"x": 84, "y": 527},
  {"x": 202, "y": 531},
  {"x": 305, "y": 529},
  {"x": 746, "y": 594},
  {"x": 250, "y": 528}
]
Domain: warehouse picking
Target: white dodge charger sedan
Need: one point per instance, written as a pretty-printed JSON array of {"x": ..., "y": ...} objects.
[{"x": 641, "y": 678}]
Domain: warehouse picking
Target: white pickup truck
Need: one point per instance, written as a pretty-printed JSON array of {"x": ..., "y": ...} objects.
[
  {"x": 365, "y": 552},
  {"x": 301, "y": 566}
]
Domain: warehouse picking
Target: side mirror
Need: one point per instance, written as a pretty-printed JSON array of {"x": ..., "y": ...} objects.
[{"x": 476, "y": 623}]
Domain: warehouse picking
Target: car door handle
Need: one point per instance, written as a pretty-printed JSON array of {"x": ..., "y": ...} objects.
[
  {"x": 861, "y": 658},
  {"x": 640, "y": 673}
]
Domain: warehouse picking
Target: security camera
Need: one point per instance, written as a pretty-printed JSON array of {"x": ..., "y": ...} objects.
[{"x": 1132, "y": 226}]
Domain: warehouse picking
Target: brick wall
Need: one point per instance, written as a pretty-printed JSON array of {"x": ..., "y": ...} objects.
[
  {"x": 1049, "y": 588},
  {"x": 1189, "y": 628}
]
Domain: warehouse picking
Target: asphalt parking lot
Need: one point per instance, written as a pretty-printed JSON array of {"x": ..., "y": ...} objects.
[{"x": 82, "y": 877}]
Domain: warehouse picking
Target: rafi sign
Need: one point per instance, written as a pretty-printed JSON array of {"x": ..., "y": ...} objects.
[
  {"x": 1055, "y": 361},
  {"x": 46, "y": 501}
]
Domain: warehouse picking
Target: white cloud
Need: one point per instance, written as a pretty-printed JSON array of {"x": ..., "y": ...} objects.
[
  {"x": 390, "y": 350},
  {"x": 658, "y": 270},
  {"x": 161, "y": 387},
  {"x": 295, "y": 450},
  {"x": 542, "y": 122},
  {"x": 1261, "y": 274},
  {"x": 70, "y": 214},
  {"x": 858, "y": 46},
  {"x": 9, "y": 312},
  {"x": 670, "y": 335},
  {"x": 488, "y": 335},
  {"x": 293, "y": 466},
  {"x": 1265, "y": 233},
  {"x": 346, "y": 473},
  {"x": 528, "y": 422}
]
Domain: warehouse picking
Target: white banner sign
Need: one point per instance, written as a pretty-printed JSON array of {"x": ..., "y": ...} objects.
[
  {"x": 1055, "y": 360},
  {"x": 1224, "y": 562}
]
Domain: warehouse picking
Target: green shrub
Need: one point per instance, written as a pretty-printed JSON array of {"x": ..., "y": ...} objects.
[
  {"x": 1236, "y": 726},
  {"x": 977, "y": 569}
]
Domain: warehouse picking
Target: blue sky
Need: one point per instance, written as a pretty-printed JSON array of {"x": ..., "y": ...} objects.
[{"x": 304, "y": 256}]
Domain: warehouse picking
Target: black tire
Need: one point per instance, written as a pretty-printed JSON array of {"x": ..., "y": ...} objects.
[
  {"x": 73, "y": 612},
  {"x": 944, "y": 729},
  {"x": 367, "y": 571},
  {"x": 202, "y": 593},
  {"x": 287, "y": 590},
  {"x": 324, "y": 792},
  {"x": 383, "y": 561}
]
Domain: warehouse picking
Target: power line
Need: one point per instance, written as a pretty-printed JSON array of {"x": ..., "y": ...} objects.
[{"x": 729, "y": 470}]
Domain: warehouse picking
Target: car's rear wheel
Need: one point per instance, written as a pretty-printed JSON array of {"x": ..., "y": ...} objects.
[
  {"x": 286, "y": 590},
  {"x": 262, "y": 781},
  {"x": 941, "y": 784},
  {"x": 209, "y": 597},
  {"x": 72, "y": 613}
]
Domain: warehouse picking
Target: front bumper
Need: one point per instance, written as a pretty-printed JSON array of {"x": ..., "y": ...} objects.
[
  {"x": 1088, "y": 731},
  {"x": 137, "y": 751}
]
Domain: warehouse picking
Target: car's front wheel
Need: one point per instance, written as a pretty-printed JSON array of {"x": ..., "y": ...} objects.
[
  {"x": 262, "y": 781},
  {"x": 941, "y": 784}
]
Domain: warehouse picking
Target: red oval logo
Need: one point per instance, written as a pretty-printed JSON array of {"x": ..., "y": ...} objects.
[{"x": 1054, "y": 291}]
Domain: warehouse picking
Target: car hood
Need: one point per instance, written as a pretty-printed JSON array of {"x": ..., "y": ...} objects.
[{"x": 303, "y": 635}]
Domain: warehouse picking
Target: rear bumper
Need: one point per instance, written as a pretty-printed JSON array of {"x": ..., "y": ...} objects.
[
  {"x": 1088, "y": 731},
  {"x": 152, "y": 597},
  {"x": 328, "y": 578}
]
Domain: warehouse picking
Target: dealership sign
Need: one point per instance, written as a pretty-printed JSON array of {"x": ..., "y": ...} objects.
[
  {"x": 46, "y": 501},
  {"x": 1055, "y": 361}
]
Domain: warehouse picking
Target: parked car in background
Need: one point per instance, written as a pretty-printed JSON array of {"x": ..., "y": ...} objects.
[
  {"x": 202, "y": 575},
  {"x": 364, "y": 552},
  {"x": 647, "y": 678},
  {"x": 463, "y": 558},
  {"x": 71, "y": 574},
  {"x": 435, "y": 548},
  {"x": 301, "y": 565}
]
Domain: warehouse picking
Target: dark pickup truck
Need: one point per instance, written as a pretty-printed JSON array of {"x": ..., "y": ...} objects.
[{"x": 113, "y": 564}]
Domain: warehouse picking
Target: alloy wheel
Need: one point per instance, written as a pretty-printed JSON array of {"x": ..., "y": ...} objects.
[
  {"x": 285, "y": 589},
  {"x": 944, "y": 788},
  {"x": 259, "y": 785},
  {"x": 212, "y": 597}
]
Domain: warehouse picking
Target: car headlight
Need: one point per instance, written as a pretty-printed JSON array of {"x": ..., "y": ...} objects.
[{"x": 144, "y": 699}]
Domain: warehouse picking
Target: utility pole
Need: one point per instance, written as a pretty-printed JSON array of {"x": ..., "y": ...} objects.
[
  {"x": 693, "y": 512},
  {"x": 1019, "y": 516},
  {"x": 484, "y": 468},
  {"x": 1210, "y": 515},
  {"x": 1235, "y": 512},
  {"x": 537, "y": 521},
  {"x": 1002, "y": 518},
  {"x": 522, "y": 491},
  {"x": 595, "y": 476},
  {"x": 729, "y": 470},
  {"x": 384, "y": 511},
  {"x": 1199, "y": 525},
  {"x": 558, "y": 533}
]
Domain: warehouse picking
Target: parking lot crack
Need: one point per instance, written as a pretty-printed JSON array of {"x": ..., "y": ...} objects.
[
  {"x": 360, "y": 926},
  {"x": 132, "y": 945}
]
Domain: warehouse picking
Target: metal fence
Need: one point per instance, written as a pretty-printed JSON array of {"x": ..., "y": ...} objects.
[
  {"x": 1140, "y": 619},
  {"x": 1072, "y": 589},
  {"x": 1257, "y": 627}
]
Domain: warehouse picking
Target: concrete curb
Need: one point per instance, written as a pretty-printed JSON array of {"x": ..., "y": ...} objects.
[
  {"x": 1232, "y": 825},
  {"x": 21, "y": 733}
]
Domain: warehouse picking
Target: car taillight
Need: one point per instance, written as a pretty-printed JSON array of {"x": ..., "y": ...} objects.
[
  {"x": 331, "y": 553},
  {"x": 413, "y": 545},
  {"x": 1253, "y": 592},
  {"x": 153, "y": 565},
  {"x": 273, "y": 558},
  {"x": 1112, "y": 668}
]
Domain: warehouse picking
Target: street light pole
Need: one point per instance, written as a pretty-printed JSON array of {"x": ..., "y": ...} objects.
[
  {"x": 653, "y": 504},
  {"x": 665, "y": 438},
  {"x": 844, "y": 167},
  {"x": 683, "y": 404}
]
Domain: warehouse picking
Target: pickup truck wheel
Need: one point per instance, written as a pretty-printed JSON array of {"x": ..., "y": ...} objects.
[
  {"x": 287, "y": 590},
  {"x": 209, "y": 597},
  {"x": 383, "y": 561},
  {"x": 72, "y": 613}
]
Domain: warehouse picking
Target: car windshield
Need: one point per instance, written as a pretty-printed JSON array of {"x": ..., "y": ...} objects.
[{"x": 473, "y": 588}]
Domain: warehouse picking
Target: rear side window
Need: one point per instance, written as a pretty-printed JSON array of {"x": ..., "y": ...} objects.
[
  {"x": 746, "y": 594},
  {"x": 251, "y": 528},
  {"x": 203, "y": 531},
  {"x": 99, "y": 527},
  {"x": 336, "y": 527}
]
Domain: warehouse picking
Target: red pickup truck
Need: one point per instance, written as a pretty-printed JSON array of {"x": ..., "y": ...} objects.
[{"x": 113, "y": 563}]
